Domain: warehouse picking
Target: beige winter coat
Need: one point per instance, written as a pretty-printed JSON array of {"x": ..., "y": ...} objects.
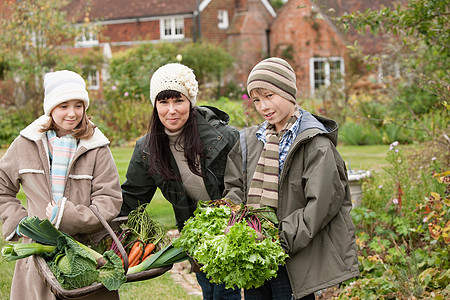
[{"x": 92, "y": 180}]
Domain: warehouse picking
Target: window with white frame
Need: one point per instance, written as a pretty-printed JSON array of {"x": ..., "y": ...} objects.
[
  {"x": 86, "y": 38},
  {"x": 93, "y": 80},
  {"x": 223, "y": 19},
  {"x": 388, "y": 69},
  {"x": 172, "y": 28},
  {"x": 324, "y": 71},
  {"x": 38, "y": 39}
]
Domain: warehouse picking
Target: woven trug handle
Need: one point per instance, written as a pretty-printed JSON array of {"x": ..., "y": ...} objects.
[{"x": 113, "y": 235}]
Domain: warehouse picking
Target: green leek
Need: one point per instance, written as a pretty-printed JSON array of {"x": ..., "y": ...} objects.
[
  {"x": 164, "y": 257},
  {"x": 44, "y": 232},
  {"x": 11, "y": 252},
  {"x": 73, "y": 264}
]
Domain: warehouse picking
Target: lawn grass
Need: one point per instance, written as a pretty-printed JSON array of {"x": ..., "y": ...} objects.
[
  {"x": 163, "y": 287},
  {"x": 159, "y": 288},
  {"x": 372, "y": 157},
  {"x": 159, "y": 209},
  {"x": 7, "y": 270}
]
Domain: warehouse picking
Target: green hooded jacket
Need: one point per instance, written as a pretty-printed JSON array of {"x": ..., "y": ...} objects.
[
  {"x": 316, "y": 228},
  {"x": 217, "y": 137}
]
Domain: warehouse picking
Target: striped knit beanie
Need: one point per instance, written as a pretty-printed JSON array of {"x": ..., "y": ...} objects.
[
  {"x": 62, "y": 86},
  {"x": 276, "y": 75}
]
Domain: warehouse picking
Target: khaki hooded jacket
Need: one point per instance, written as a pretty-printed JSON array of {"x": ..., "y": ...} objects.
[
  {"x": 316, "y": 228},
  {"x": 92, "y": 180}
]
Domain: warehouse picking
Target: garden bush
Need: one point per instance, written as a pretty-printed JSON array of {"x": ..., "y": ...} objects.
[
  {"x": 406, "y": 131},
  {"x": 122, "y": 122},
  {"x": 403, "y": 230},
  {"x": 12, "y": 121},
  {"x": 125, "y": 114},
  {"x": 242, "y": 113},
  {"x": 352, "y": 134}
]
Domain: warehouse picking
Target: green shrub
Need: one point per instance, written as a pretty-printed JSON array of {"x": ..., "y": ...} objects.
[
  {"x": 373, "y": 136},
  {"x": 242, "y": 113},
  {"x": 12, "y": 121},
  {"x": 352, "y": 134},
  {"x": 209, "y": 63},
  {"x": 408, "y": 132},
  {"x": 122, "y": 122},
  {"x": 420, "y": 101},
  {"x": 373, "y": 110},
  {"x": 403, "y": 231},
  {"x": 130, "y": 71}
]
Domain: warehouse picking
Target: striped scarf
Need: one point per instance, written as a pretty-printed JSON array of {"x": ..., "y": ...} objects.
[
  {"x": 64, "y": 149},
  {"x": 264, "y": 185}
]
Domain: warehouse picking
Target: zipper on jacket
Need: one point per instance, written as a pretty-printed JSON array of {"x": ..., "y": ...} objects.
[{"x": 214, "y": 176}]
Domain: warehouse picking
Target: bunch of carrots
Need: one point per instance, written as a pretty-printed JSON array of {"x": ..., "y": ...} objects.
[
  {"x": 140, "y": 236},
  {"x": 139, "y": 253}
]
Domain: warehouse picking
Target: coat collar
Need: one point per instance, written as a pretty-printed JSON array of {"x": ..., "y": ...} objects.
[
  {"x": 33, "y": 133},
  {"x": 312, "y": 125}
]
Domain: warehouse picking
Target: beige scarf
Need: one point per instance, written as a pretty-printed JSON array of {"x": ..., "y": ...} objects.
[{"x": 264, "y": 185}]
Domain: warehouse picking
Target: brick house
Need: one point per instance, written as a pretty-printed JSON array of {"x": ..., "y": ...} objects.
[
  {"x": 302, "y": 32},
  {"x": 233, "y": 24},
  {"x": 305, "y": 34},
  {"x": 310, "y": 43}
]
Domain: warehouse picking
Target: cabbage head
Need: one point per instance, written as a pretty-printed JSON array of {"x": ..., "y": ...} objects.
[{"x": 73, "y": 266}]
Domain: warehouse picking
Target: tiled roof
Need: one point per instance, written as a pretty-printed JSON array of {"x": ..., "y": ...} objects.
[
  {"x": 124, "y": 9},
  {"x": 334, "y": 8},
  {"x": 342, "y": 6}
]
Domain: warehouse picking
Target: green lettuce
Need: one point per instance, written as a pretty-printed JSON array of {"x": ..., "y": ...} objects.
[
  {"x": 226, "y": 240},
  {"x": 208, "y": 221},
  {"x": 237, "y": 259}
]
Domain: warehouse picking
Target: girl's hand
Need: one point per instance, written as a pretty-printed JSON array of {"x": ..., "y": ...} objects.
[{"x": 49, "y": 209}]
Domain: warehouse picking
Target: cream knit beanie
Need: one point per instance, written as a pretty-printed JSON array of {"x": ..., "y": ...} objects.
[
  {"x": 276, "y": 75},
  {"x": 61, "y": 86},
  {"x": 176, "y": 77}
]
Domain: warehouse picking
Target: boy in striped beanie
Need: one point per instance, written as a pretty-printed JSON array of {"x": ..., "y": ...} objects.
[
  {"x": 290, "y": 163},
  {"x": 276, "y": 75}
]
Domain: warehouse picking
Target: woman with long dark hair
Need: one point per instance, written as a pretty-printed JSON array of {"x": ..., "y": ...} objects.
[{"x": 184, "y": 154}]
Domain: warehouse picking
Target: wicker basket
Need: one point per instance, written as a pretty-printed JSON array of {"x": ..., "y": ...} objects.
[{"x": 61, "y": 293}]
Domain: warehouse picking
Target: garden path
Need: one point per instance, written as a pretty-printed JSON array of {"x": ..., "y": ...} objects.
[{"x": 181, "y": 274}]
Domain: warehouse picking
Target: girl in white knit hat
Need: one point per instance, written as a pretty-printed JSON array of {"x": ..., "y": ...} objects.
[
  {"x": 184, "y": 155},
  {"x": 64, "y": 166}
]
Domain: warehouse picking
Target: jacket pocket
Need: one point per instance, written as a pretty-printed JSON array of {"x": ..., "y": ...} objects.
[
  {"x": 79, "y": 188},
  {"x": 332, "y": 248},
  {"x": 341, "y": 237},
  {"x": 320, "y": 262}
]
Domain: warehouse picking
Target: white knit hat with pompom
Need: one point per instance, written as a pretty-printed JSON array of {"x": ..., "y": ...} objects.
[{"x": 176, "y": 77}]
